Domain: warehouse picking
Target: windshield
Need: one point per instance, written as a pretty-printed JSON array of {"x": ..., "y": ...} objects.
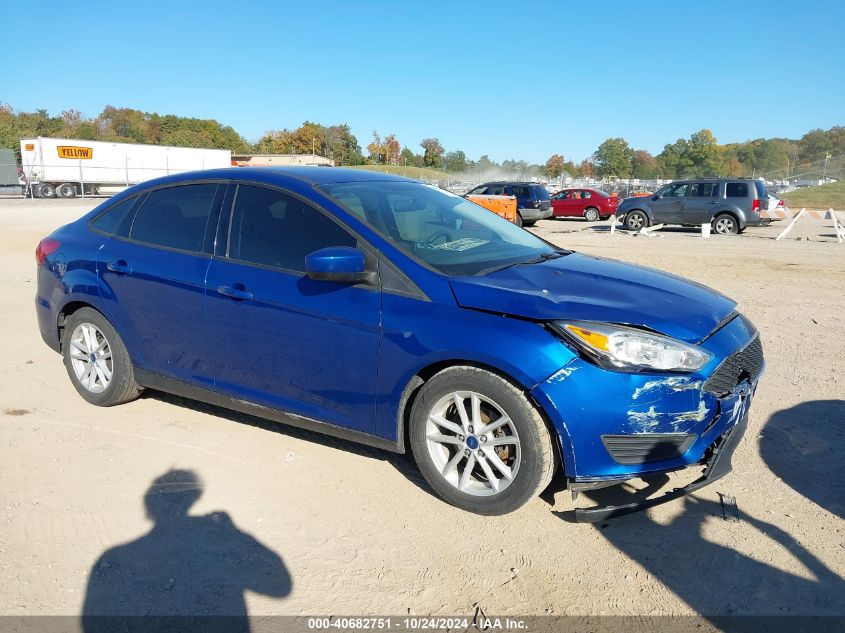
[{"x": 446, "y": 232}]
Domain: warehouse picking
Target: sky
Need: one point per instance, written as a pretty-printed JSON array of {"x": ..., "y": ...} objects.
[{"x": 510, "y": 80}]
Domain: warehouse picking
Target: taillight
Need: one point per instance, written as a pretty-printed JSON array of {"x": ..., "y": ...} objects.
[
  {"x": 45, "y": 247},
  {"x": 755, "y": 205},
  {"x": 780, "y": 203}
]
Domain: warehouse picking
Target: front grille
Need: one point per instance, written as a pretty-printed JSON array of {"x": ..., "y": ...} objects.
[
  {"x": 746, "y": 364},
  {"x": 647, "y": 447}
]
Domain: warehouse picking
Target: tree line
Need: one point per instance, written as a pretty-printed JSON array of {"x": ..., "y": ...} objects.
[{"x": 699, "y": 155}]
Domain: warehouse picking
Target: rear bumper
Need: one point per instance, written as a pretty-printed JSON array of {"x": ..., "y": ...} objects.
[
  {"x": 532, "y": 215},
  {"x": 717, "y": 466}
]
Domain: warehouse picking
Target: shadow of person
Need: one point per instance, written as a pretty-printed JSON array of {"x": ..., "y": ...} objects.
[
  {"x": 186, "y": 567},
  {"x": 803, "y": 446}
]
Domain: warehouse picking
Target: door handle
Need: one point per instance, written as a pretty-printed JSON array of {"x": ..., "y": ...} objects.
[
  {"x": 234, "y": 292},
  {"x": 119, "y": 267},
  {"x": 713, "y": 202}
]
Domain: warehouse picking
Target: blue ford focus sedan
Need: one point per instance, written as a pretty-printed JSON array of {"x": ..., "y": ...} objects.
[{"x": 385, "y": 311}]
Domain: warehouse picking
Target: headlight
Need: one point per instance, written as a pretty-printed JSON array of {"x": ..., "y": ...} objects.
[{"x": 629, "y": 349}]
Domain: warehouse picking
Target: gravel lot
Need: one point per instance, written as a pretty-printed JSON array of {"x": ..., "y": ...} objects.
[{"x": 313, "y": 525}]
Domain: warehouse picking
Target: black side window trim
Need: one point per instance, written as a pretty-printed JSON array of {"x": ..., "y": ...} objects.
[
  {"x": 130, "y": 216},
  {"x": 212, "y": 216}
]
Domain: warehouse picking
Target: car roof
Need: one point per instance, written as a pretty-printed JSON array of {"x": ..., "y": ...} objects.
[
  {"x": 511, "y": 182},
  {"x": 283, "y": 175}
]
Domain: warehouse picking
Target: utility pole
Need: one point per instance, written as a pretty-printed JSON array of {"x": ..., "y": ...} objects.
[{"x": 824, "y": 171}]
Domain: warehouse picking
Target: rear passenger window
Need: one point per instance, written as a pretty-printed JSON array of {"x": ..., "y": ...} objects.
[
  {"x": 175, "y": 217},
  {"x": 704, "y": 189},
  {"x": 736, "y": 190},
  {"x": 110, "y": 222},
  {"x": 274, "y": 229}
]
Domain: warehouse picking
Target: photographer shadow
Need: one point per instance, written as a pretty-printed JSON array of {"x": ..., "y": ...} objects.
[{"x": 188, "y": 572}]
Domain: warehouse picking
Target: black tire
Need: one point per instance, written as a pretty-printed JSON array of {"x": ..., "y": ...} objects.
[
  {"x": 591, "y": 214},
  {"x": 536, "y": 454},
  {"x": 122, "y": 386},
  {"x": 46, "y": 190},
  {"x": 636, "y": 220},
  {"x": 529, "y": 223},
  {"x": 725, "y": 224},
  {"x": 66, "y": 190},
  {"x": 519, "y": 219}
]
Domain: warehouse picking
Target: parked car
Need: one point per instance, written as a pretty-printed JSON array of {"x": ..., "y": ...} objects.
[
  {"x": 729, "y": 204},
  {"x": 384, "y": 311},
  {"x": 590, "y": 204},
  {"x": 532, "y": 200}
]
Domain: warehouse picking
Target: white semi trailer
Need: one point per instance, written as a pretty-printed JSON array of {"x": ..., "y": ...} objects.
[{"x": 65, "y": 168}]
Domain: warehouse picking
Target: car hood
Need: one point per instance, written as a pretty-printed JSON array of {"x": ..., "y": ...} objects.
[{"x": 582, "y": 287}]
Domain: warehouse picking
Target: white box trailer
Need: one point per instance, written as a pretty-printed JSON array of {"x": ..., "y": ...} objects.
[{"x": 62, "y": 167}]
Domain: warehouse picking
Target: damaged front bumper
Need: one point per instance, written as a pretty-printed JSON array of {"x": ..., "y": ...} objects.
[
  {"x": 616, "y": 426},
  {"x": 717, "y": 466}
]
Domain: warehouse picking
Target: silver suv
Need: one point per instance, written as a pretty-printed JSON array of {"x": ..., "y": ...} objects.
[{"x": 729, "y": 204}]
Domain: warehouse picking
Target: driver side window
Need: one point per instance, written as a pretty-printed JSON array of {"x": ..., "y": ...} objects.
[
  {"x": 273, "y": 229},
  {"x": 676, "y": 191}
]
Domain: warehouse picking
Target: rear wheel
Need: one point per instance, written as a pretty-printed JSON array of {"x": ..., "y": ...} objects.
[
  {"x": 46, "y": 190},
  {"x": 725, "y": 224},
  {"x": 96, "y": 360},
  {"x": 591, "y": 214},
  {"x": 66, "y": 190},
  {"x": 519, "y": 220},
  {"x": 479, "y": 442},
  {"x": 636, "y": 220}
]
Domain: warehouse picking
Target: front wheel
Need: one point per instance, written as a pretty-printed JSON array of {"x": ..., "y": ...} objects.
[
  {"x": 725, "y": 224},
  {"x": 96, "y": 360},
  {"x": 635, "y": 220},
  {"x": 591, "y": 214},
  {"x": 479, "y": 442},
  {"x": 518, "y": 220}
]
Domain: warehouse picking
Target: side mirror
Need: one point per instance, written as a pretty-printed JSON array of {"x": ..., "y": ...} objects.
[
  {"x": 337, "y": 263},
  {"x": 655, "y": 197}
]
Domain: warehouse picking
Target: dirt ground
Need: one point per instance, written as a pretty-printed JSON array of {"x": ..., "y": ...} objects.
[{"x": 313, "y": 525}]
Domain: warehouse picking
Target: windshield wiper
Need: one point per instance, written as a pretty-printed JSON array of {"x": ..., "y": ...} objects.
[{"x": 537, "y": 260}]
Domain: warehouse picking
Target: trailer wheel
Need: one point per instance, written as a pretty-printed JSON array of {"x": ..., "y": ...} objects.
[
  {"x": 47, "y": 190},
  {"x": 66, "y": 190}
]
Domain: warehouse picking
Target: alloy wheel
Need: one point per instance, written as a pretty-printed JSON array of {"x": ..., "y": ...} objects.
[
  {"x": 91, "y": 358},
  {"x": 725, "y": 226},
  {"x": 473, "y": 443}
]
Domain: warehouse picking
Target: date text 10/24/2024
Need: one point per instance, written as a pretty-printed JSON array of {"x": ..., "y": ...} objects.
[{"x": 407, "y": 623}]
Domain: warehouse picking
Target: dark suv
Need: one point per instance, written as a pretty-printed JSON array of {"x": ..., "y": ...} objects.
[
  {"x": 533, "y": 202},
  {"x": 729, "y": 204}
]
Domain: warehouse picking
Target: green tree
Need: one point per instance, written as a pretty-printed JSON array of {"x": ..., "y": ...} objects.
[
  {"x": 406, "y": 156},
  {"x": 815, "y": 145},
  {"x": 455, "y": 162},
  {"x": 433, "y": 156},
  {"x": 704, "y": 154},
  {"x": 614, "y": 158}
]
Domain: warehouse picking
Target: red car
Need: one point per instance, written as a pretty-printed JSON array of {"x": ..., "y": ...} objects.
[{"x": 590, "y": 204}]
